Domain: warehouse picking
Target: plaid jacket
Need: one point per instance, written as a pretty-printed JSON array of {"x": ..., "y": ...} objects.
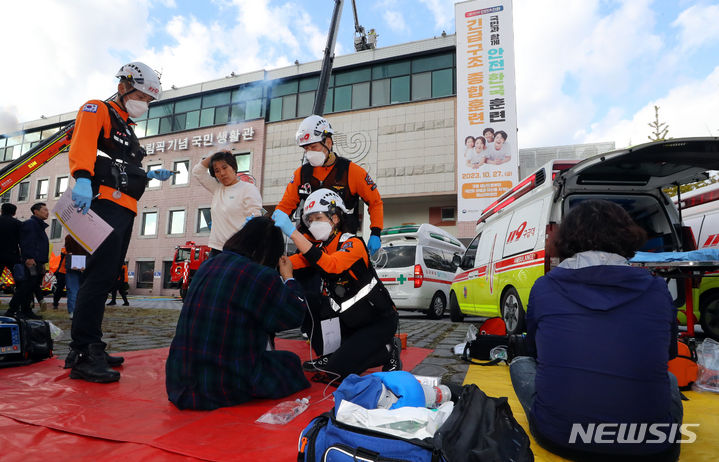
[{"x": 219, "y": 354}]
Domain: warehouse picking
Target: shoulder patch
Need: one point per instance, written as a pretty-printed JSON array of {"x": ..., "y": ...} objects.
[
  {"x": 370, "y": 183},
  {"x": 347, "y": 245},
  {"x": 89, "y": 107}
]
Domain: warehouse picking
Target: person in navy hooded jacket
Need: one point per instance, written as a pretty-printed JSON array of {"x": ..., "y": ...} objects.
[{"x": 603, "y": 332}]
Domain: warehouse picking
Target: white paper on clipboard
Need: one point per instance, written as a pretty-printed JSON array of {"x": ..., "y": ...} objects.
[
  {"x": 88, "y": 230},
  {"x": 331, "y": 337}
]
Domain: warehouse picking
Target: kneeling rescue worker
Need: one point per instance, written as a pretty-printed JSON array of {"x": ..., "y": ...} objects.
[{"x": 108, "y": 182}]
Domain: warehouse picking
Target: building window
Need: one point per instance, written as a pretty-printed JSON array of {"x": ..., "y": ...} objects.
[
  {"x": 305, "y": 104},
  {"x": 243, "y": 162},
  {"x": 55, "y": 229},
  {"x": 182, "y": 172},
  {"x": 176, "y": 223},
  {"x": 154, "y": 183},
  {"x": 360, "y": 95},
  {"x": 166, "y": 274},
  {"x": 399, "y": 90},
  {"x": 5, "y": 197},
  {"x": 60, "y": 185},
  {"x": 23, "y": 191},
  {"x": 149, "y": 224},
  {"x": 421, "y": 86},
  {"x": 448, "y": 214},
  {"x": 204, "y": 218},
  {"x": 41, "y": 191},
  {"x": 145, "y": 274},
  {"x": 442, "y": 83}
]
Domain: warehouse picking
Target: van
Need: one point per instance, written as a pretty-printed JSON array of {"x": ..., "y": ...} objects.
[
  {"x": 700, "y": 211},
  {"x": 510, "y": 249},
  {"x": 415, "y": 265}
]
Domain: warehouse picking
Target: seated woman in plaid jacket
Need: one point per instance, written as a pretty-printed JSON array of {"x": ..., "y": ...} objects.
[{"x": 221, "y": 353}]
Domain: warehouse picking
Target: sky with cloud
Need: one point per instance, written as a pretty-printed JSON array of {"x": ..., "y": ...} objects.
[{"x": 586, "y": 71}]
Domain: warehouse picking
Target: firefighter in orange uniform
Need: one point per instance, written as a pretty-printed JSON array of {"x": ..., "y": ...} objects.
[{"x": 106, "y": 162}]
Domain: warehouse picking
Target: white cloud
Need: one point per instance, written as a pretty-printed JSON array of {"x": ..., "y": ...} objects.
[
  {"x": 698, "y": 26},
  {"x": 442, "y": 11},
  {"x": 395, "y": 20}
]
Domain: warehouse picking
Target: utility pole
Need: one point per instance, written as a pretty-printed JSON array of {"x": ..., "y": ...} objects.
[{"x": 327, "y": 60}]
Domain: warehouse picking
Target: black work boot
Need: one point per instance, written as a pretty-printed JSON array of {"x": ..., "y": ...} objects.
[
  {"x": 114, "y": 361},
  {"x": 92, "y": 366}
]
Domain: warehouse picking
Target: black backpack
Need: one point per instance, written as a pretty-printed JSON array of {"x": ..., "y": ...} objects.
[{"x": 35, "y": 341}]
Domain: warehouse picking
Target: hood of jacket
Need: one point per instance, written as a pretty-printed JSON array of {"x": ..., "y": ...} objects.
[{"x": 600, "y": 281}]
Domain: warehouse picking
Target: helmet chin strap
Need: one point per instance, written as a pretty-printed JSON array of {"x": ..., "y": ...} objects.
[
  {"x": 122, "y": 96},
  {"x": 329, "y": 152}
]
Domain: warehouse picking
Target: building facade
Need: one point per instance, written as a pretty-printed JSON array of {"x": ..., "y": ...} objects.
[{"x": 393, "y": 111}]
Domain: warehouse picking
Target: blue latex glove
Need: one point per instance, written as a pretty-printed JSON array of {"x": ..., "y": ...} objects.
[
  {"x": 283, "y": 222},
  {"x": 161, "y": 174},
  {"x": 82, "y": 195},
  {"x": 374, "y": 244}
]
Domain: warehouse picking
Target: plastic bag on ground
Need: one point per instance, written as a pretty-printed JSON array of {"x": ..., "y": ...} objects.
[
  {"x": 708, "y": 361},
  {"x": 55, "y": 332},
  {"x": 471, "y": 335}
]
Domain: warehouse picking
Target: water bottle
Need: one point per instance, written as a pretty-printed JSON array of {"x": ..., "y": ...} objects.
[
  {"x": 284, "y": 412},
  {"x": 435, "y": 396}
]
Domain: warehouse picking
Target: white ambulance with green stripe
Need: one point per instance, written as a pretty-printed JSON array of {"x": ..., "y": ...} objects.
[
  {"x": 511, "y": 251},
  {"x": 415, "y": 265}
]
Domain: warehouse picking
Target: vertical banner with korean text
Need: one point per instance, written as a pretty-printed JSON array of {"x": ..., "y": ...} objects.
[{"x": 487, "y": 154}]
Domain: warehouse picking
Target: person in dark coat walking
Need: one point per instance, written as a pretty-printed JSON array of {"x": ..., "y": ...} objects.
[
  {"x": 34, "y": 254},
  {"x": 9, "y": 243}
]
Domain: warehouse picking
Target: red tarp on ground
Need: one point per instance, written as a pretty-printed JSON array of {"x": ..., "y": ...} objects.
[{"x": 133, "y": 420}]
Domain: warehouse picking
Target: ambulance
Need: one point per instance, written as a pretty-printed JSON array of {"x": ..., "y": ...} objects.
[
  {"x": 510, "y": 249},
  {"x": 415, "y": 265}
]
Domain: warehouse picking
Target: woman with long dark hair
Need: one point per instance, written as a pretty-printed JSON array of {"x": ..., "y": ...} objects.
[{"x": 222, "y": 353}]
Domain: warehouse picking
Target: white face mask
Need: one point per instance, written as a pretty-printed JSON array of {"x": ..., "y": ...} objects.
[
  {"x": 321, "y": 230},
  {"x": 315, "y": 158},
  {"x": 136, "y": 108}
]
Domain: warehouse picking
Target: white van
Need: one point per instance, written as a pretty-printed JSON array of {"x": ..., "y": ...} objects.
[
  {"x": 415, "y": 264},
  {"x": 510, "y": 250}
]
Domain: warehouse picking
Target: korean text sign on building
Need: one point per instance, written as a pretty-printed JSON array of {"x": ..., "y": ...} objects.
[{"x": 488, "y": 158}]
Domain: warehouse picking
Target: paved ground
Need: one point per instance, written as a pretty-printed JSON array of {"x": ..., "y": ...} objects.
[{"x": 149, "y": 322}]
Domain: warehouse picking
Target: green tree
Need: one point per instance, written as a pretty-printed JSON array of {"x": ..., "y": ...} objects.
[{"x": 660, "y": 129}]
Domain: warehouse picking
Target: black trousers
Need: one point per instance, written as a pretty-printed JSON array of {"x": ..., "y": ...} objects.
[
  {"x": 24, "y": 291},
  {"x": 102, "y": 270},
  {"x": 119, "y": 287},
  {"x": 59, "y": 287}
]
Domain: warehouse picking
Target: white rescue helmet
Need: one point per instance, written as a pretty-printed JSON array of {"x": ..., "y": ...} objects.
[
  {"x": 142, "y": 78},
  {"x": 313, "y": 129},
  {"x": 322, "y": 200}
]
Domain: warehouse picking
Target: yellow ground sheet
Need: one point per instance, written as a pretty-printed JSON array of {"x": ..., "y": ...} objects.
[{"x": 702, "y": 408}]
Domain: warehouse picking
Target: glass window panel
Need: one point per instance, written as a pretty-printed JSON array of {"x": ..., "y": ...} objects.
[
  {"x": 192, "y": 120},
  {"x": 140, "y": 128},
  {"x": 2, "y": 154},
  {"x": 343, "y": 98},
  {"x": 55, "y": 229},
  {"x": 421, "y": 86},
  {"x": 153, "y": 183},
  {"x": 309, "y": 84},
  {"x": 15, "y": 152},
  {"x": 275, "y": 109},
  {"x": 216, "y": 99},
  {"x": 165, "y": 125},
  {"x": 289, "y": 107},
  {"x": 442, "y": 83},
  {"x": 207, "y": 117},
  {"x": 222, "y": 115},
  {"x": 182, "y": 172},
  {"x": 60, "y": 185},
  {"x": 25, "y": 148},
  {"x": 177, "y": 222},
  {"x": 353, "y": 76},
  {"x": 329, "y": 99},
  {"x": 166, "y": 275},
  {"x": 48, "y": 132},
  {"x": 2, "y": 142},
  {"x": 153, "y": 127},
  {"x": 41, "y": 191},
  {"x": 8, "y": 153},
  {"x": 284, "y": 88},
  {"x": 430, "y": 63},
  {"x": 238, "y": 112},
  {"x": 253, "y": 110},
  {"x": 159, "y": 110},
  {"x": 5, "y": 197},
  {"x": 306, "y": 102},
  {"x": 13, "y": 140},
  {"x": 179, "y": 122},
  {"x": 246, "y": 93},
  {"x": 243, "y": 162},
  {"x": 390, "y": 70},
  {"x": 32, "y": 136},
  {"x": 145, "y": 274},
  {"x": 23, "y": 191},
  {"x": 399, "y": 91},
  {"x": 187, "y": 105},
  {"x": 360, "y": 95},
  {"x": 204, "y": 218},
  {"x": 149, "y": 224}
]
